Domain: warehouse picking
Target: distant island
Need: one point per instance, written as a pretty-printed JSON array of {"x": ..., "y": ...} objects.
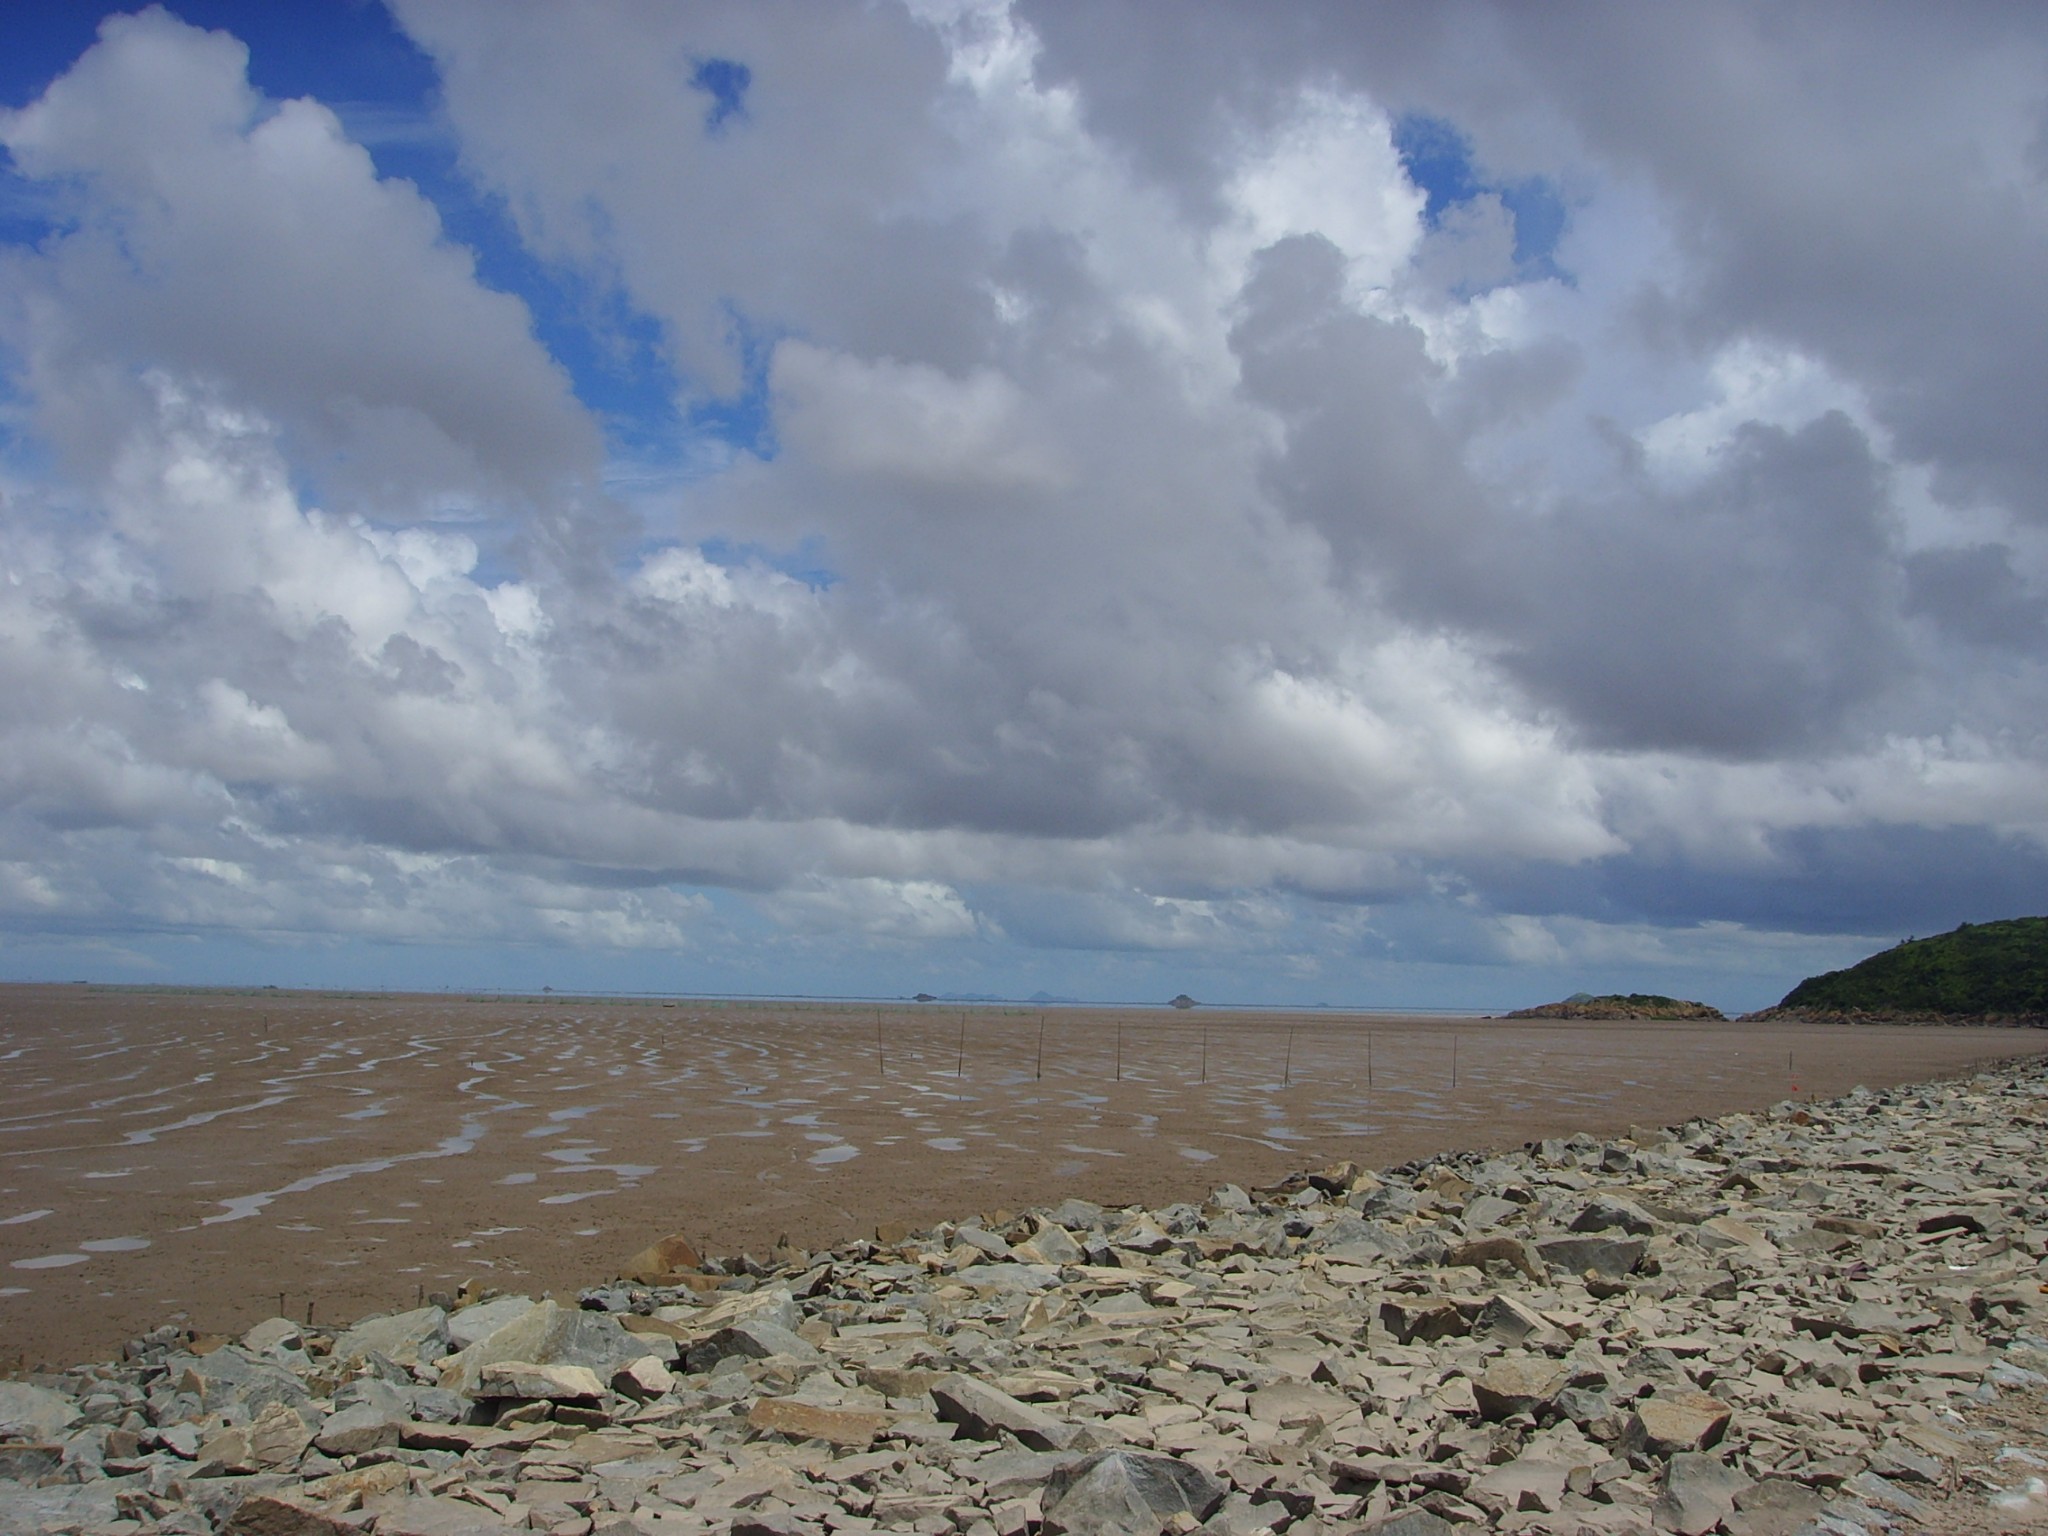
[
  {"x": 1980, "y": 973},
  {"x": 1619, "y": 1005}
]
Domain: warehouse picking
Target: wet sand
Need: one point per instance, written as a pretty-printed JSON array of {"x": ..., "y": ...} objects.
[{"x": 219, "y": 1158}]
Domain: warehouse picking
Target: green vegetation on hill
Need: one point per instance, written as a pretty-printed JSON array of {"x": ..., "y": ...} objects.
[
  {"x": 1619, "y": 1005},
  {"x": 1981, "y": 969}
]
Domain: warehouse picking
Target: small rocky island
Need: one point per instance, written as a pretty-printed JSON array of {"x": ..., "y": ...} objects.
[
  {"x": 1981, "y": 973},
  {"x": 1619, "y": 1005}
]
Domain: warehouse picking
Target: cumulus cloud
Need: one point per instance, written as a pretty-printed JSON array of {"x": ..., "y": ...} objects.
[{"x": 1162, "y": 516}]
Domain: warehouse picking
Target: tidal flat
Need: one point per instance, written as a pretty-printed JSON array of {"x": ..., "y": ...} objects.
[{"x": 220, "y": 1158}]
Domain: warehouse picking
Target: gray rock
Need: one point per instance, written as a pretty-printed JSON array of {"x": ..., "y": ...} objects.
[
  {"x": 407, "y": 1338},
  {"x": 470, "y": 1324},
  {"x": 1410, "y": 1522},
  {"x": 1127, "y": 1493},
  {"x": 1777, "y": 1506},
  {"x": 232, "y": 1377},
  {"x": 547, "y": 1334},
  {"x": 1605, "y": 1213},
  {"x": 30, "y": 1412},
  {"x": 1697, "y": 1493},
  {"x": 753, "y": 1339},
  {"x": 983, "y": 1413},
  {"x": 1078, "y": 1215},
  {"x": 359, "y": 1428}
]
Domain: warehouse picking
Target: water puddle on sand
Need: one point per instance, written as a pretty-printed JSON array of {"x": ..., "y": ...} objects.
[
  {"x": 15, "y": 1221},
  {"x": 825, "y": 1157},
  {"x": 51, "y": 1261},
  {"x": 241, "y": 1207},
  {"x": 1197, "y": 1155},
  {"x": 116, "y": 1245}
]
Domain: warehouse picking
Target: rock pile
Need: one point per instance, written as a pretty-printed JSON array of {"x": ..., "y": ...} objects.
[{"x": 1791, "y": 1321}]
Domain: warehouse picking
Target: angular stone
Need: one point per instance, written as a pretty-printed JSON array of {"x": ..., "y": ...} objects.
[
  {"x": 1681, "y": 1422},
  {"x": 407, "y": 1338},
  {"x": 1526, "y": 1486},
  {"x": 358, "y": 1428},
  {"x": 533, "y": 1381},
  {"x": 485, "y": 1318},
  {"x": 1127, "y": 1493},
  {"x": 1728, "y": 1233},
  {"x": 276, "y": 1514},
  {"x": 1777, "y": 1506},
  {"x": 278, "y": 1436},
  {"x": 1078, "y": 1215},
  {"x": 1517, "y": 1384},
  {"x": 1142, "y": 1235},
  {"x": 1422, "y": 1319},
  {"x": 1050, "y": 1244},
  {"x": 983, "y": 1413},
  {"x": 1697, "y": 1493},
  {"x": 644, "y": 1379},
  {"x": 273, "y": 1336},
  {"x": 1604, "y": 1213},
  {"x": 225, "y": 1453},
  {"x": 753, "y": 1339},
  {"x": 808, "y": 1421},
  {"x": 547, "y": 1334},
  {"x": 1512, "y": 1321},
  {"x": 29, "y": 1412},
  {"x": 434, "y": 1516},
  {"x": 232, "y": 1376},
  {"x": 1409, "y": 1522}
]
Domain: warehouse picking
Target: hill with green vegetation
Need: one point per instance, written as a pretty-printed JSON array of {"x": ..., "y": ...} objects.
[
  {"x": 1985, "y": 971},
  {"x": 1619, "y": 1005}
]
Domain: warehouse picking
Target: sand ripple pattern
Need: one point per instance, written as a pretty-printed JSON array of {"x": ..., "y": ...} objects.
[{"x": 235, "y": 1155}]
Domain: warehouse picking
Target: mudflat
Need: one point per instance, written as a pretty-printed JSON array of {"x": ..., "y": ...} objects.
[{"x": 219, "y": 1158}]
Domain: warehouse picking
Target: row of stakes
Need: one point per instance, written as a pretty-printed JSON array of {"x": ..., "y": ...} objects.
[{"x": 1286, "y": 1071}]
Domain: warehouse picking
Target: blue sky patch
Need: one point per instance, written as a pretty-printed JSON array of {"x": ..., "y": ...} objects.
[
  {"x": 725, "y": 81},
  {"x": 1437, "y": 156}
]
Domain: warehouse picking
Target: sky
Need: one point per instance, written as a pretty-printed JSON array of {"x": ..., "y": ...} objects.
[{"x": 1377, "y": 506}]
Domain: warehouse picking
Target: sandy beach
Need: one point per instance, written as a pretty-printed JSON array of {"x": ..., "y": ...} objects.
[{"x": 220, "y": 1158}]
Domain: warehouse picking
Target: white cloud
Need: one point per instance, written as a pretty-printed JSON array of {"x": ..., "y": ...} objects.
[{"x": 1155, "y": 547}]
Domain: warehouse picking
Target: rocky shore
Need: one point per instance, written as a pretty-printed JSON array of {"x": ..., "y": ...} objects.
[{"x": 1827, "y": 1317}]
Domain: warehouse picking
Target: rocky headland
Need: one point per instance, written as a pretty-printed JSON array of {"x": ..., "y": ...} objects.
[
  {"x": 1979, "y": 973},
  {"x": 1619, "y": 1005},
  {"x": 1825, "y": 1317}
]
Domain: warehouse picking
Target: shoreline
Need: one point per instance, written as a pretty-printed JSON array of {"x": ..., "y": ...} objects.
[{"x": 1714, "y": 1325}]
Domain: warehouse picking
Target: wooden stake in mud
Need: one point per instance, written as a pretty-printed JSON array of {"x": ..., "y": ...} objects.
[
  {"x": 1119, "y": 1053},
  {"x": 1041, "y": 1047},
  {"x": 1287, "y": 1072},
  {"x": 960, "y": 1061},
  {"x": 1454, "y": 1063},
  {"x": 1205, "y": 1055},
  {"x": 1368, "y": 1058},
  {"x": 881, "y": 1058}
]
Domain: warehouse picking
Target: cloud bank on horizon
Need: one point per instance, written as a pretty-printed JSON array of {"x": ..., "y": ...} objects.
[{"x": 1367, "y": 504}]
